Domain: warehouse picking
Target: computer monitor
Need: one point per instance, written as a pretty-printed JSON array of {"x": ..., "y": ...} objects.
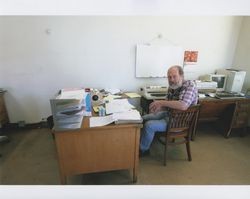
[
  {"x": 235, "y": 79},
  {"x": 219, "y": 78},
  {"x": 221, "y": 81}
]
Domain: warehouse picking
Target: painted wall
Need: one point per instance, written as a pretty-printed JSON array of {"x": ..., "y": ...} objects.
[
  {"x": 41, "y": 54},
  {"x": 242, "y": 58}
]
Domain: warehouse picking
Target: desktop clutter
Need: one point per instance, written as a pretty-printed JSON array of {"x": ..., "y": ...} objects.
[
  {"x": 70, "y": 106},
  {"x": 106, "y": 106},
  {"x": 224, "y": 84}
]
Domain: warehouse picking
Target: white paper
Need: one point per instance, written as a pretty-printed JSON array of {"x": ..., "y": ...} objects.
[
  {"x": 100, "y": 121},
  {"x": 111, "y": 97},
  {"x": 118, "y": 105},
  {"x": 132, "y": 95},
  {"x": 72, "y": 94},
  {"x": 112, "y": 90},
  {"x": 128, "y": 115}
]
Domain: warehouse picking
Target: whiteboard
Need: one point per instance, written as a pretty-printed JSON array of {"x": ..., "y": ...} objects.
[{"x": 154, "y": 60}]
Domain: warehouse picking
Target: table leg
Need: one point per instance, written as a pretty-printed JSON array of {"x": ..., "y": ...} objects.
[
  {"x": 134, "y": 175},
  {"x": 63, "y": 179}
]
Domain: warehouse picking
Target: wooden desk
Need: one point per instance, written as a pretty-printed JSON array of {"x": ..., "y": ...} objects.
[
  {"x": 106, "y": 148},
  {"x": 228, "y": 113}
]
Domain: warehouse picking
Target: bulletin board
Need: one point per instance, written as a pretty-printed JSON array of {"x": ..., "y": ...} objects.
[{"x": 154, "y": 60}]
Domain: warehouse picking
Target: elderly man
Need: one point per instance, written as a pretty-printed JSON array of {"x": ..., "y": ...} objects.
[{"x": 181, "y": 94}]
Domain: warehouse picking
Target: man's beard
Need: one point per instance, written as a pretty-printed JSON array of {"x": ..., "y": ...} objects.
[{"x": 175, "y": 86}]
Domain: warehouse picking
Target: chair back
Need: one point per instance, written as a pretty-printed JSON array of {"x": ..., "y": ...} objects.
[
  {"x": 181, "y": 126},
  {"x": 180, "y": 121}
]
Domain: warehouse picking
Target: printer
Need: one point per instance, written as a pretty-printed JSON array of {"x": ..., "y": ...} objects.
[{"x": 154, "y": 92}]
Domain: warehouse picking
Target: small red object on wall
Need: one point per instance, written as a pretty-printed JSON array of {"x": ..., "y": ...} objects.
[{"x": 190, "y": 57}]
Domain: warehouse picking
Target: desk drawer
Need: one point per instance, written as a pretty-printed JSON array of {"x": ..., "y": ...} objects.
[
  {"x": 243, "y": 106},
  {"x": 240, "y": 119},
  {"x": 241, "y": 114},
  {"x": 214, "y": 109}
]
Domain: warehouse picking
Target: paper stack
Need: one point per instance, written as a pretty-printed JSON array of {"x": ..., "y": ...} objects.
[
  {"x": 121, "y": 111},
  {"x": 132, "y": 116},
  {"x": 118, "y": 105},
  {"x": 68, "y": 108},
  {"x": 128, "y": 117}
]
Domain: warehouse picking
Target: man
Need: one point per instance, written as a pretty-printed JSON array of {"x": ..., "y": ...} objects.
[{"x": 181, "y": 94}]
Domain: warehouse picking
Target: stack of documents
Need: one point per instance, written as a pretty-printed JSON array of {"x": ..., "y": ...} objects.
[
  {"x": 122, "y": 112},
  {"x": 68, "y": 109},
  {"x": 118, "y": 105},
  {"x": 131, "y": 116}
]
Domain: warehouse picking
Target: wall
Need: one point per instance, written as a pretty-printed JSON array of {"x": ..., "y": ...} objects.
[
  {"x": 242, "y": 58},
  {"x": 41, "y": 54}
]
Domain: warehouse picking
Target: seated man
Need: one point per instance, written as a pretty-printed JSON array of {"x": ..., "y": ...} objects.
[{"x": 181, "y": 94}]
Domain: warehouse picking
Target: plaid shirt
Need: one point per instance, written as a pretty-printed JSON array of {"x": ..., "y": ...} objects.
[{"x": 187, "y": 93}]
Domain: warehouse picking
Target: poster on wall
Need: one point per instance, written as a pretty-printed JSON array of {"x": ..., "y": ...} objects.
[
  {"x": 154, "y": 60},
  {"x": 190, "y": 57}
]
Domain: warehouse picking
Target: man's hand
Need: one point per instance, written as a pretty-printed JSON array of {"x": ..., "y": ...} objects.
[{"x": 156, "y": 106}]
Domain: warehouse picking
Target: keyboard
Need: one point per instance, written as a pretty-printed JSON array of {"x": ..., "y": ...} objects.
[
  {"x": 228, "y": 95},
  {"x": 158, "y": 94}
]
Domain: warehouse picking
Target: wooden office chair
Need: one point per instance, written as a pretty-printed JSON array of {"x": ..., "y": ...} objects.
[{"x": 179, "y": 129}]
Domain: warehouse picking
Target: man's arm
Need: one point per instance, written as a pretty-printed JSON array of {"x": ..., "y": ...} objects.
[
  {"x": 185, "y": 100},
  {"x": 161, "y": 104}
]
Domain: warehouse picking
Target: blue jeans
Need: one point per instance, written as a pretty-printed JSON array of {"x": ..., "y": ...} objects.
[{"x": 152, "y": 123}]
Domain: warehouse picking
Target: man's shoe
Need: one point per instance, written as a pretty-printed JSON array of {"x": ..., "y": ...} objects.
[{"x": 144, "y": 153}]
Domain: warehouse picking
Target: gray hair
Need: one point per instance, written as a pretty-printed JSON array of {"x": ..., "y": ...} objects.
[{"x": 179, "y": 68}]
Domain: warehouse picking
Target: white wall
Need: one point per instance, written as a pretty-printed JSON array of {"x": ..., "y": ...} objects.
[
  {"x": 242, "y": 56},
  {"x": 42, "y": 54}
]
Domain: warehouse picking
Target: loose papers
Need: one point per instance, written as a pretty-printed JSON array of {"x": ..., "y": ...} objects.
[
  {"x": 131, "y": 116},
  {"x": 118, "y": 105}
]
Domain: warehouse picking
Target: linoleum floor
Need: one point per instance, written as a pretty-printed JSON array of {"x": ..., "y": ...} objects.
[{"x": 30, "y": 159}]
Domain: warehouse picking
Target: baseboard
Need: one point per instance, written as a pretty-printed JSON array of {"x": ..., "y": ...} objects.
[{"x": 13, "y": 126}]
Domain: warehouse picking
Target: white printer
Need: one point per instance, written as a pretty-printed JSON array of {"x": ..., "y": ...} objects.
[{"x": 154, "y": 92}]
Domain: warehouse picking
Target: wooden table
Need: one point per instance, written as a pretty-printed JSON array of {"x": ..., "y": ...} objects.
[
  {"x": 87, "y": 150},
  {"x": 227, "y": 113}
]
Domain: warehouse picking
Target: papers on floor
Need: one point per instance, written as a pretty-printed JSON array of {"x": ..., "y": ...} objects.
[
  {"x": 118, "y": 105},
  {"x": 131, "y": 116}
]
